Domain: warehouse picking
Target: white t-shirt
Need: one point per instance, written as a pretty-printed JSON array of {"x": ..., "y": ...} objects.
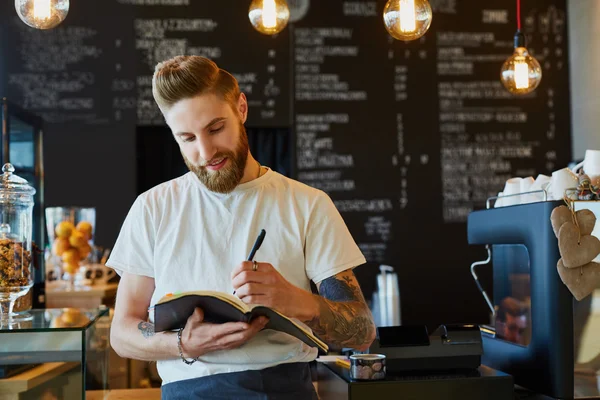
[{"x": 189, "y": 238}]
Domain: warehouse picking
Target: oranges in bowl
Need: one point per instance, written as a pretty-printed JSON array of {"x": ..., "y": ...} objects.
[{"x": 72, "y": 243}]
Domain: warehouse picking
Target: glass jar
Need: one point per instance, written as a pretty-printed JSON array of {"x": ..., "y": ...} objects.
[
  {"x": 71, "y": 238},
  {"x": 16, "y": 214}
]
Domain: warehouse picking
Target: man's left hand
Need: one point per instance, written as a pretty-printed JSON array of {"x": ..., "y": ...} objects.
[{"x": 264, "y": 285}]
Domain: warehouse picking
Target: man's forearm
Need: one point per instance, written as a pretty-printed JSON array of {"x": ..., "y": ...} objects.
[
  {"x": 134, "y": 338},
  {"x": 343, "y": 324},
  {"x": 341, "y": 316}
]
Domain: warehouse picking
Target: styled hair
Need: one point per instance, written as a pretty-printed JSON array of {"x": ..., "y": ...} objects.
[
  {"x": 184, "y": 77},
  {"x": 512, "y": 307}
]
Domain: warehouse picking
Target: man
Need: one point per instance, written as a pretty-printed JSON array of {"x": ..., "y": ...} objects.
[
  {"x": 511, "y": 321},
  {"x": 193, "y": 233}
]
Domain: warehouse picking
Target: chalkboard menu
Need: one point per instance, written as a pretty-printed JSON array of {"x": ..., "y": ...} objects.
[
  {"x": 409, "y": 138},
  {"x": 221, "y": 31},
  {"x": 99, "y": 63},
  {"x": 76, "y": 73}
]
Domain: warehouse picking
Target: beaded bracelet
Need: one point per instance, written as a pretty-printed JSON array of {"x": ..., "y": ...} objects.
[{"x": 188, "y": 362}]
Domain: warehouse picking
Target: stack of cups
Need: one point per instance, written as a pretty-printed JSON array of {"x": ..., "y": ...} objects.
[{"x": 514, "y": 186}]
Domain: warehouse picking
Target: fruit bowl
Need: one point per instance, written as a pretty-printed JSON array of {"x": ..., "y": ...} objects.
[{"x": 71, "y": 236}]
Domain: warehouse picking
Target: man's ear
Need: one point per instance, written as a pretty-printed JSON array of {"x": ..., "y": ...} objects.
[{"x": 242, "y": 107}]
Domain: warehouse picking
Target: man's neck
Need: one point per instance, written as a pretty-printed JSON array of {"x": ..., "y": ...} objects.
[{"x": 251, "y": 171}]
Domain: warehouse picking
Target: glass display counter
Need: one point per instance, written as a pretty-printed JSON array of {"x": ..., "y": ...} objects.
[{"x": 64, "y": 351}]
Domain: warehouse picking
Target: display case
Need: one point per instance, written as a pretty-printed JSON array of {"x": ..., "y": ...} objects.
[
  {"x": 69, "y": 348},
  {"x": 22, "y": 146}
]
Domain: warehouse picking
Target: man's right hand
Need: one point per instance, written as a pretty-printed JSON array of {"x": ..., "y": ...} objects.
[{"x": 199, "y": 338}]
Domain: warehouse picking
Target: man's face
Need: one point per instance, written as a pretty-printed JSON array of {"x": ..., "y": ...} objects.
[
  {"x": 212, "y": 139},
  {"x": 514, "y": 328}
]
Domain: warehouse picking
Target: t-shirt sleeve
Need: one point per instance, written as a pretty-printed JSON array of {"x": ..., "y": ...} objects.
[
  {"x": 329, "y": 247},
  {"x": 134, "y": 250}
]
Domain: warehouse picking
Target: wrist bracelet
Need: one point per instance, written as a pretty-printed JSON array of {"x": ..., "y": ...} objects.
[{"x": 188, "y": 362}]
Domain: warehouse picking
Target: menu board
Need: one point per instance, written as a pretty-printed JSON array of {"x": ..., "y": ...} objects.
[
  {"x": 75, "y": 73},
  {"x": 409, "y": 137},
  {"x": 221, "y": 31},
  {"x": 98, "y": 64}
]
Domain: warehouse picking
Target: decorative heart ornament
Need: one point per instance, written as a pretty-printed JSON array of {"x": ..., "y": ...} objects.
[
  {"x": 581, "y": 281},
  {"x": 561, "y": 215},
  {"x": 575, "y": 250}
]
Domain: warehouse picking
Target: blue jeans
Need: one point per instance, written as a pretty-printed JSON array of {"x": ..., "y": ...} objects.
[{"x": 282, "y": 382}]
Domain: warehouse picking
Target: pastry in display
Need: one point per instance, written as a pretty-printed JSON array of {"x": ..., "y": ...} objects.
[{"x": 14, "y": 264}]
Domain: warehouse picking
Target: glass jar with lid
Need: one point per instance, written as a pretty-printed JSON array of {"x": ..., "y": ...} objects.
[{"x": 16, "y": 214}]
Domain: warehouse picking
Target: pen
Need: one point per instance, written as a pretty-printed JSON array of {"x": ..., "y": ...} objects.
[
  {"x": 257, "y": 244},
  {"x": 259, "y": 240}
]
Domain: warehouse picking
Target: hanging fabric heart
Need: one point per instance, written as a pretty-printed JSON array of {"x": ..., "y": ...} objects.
[
  {"x": 576, "y": 250},
  {"x": 585, "y": 219},
  {"x": 580, "y": 281}
]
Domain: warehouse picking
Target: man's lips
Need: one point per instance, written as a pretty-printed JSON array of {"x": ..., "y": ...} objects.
[{"x": 217, "y": 164}]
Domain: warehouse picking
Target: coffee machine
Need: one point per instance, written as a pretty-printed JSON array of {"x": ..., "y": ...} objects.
[{"x": 531, "y": 335}]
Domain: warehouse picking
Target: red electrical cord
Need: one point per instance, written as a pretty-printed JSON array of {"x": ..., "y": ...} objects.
[{"x": 519, "y": 14}]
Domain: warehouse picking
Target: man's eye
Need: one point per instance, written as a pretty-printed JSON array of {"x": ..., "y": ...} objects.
[
  {"x": 189, "y": 138},
  {"x": 216, "y": 130}
]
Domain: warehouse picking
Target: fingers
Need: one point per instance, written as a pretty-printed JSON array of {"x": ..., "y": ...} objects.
[
  {"x": 248, "y": 265},
  {"x": 243, "y": 266},
  {"x": 197, "y": 316},
  {"x": 252, "y": 289},
  {"x": 259, "y": 323},
  {"x": 245, "y": 277},
  {"x": 237, "y": 339},
  {"x": 229, "y": 328}
]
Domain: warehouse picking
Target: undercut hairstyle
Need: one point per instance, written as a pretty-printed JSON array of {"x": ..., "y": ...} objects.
[{"x": 184, "y": 77}]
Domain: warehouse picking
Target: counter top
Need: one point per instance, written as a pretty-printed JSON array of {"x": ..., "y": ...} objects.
[{"x": 124, "y": 394}]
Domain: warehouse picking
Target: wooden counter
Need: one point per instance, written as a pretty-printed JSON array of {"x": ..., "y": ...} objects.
[
  {"x": 124, "y": 394},
  {"x": 81, "y": 297},
  {"x": 48, "y": 377}
]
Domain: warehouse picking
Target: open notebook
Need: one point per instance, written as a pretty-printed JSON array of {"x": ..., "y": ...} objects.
[{"x": 172, "y": 311}]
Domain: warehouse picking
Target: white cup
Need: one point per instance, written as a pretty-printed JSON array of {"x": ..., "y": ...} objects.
[
  {"x": 562, "y": 180},
  {"x": 540, "y": 183},
  {"x": 512, "y": 186},
  {"x": 499, "y": 201},
  {"x": 591, "y": 166},
  {"x": 526, "y": 184}
]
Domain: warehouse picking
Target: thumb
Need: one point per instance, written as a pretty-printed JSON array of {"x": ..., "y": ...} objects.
[{"x": 198, "y": 315}]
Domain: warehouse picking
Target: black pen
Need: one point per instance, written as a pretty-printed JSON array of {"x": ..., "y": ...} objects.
[{"x": 257, "y": 244}]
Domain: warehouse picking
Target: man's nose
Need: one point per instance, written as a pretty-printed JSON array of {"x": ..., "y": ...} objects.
[{"x": 206, "y": 149}]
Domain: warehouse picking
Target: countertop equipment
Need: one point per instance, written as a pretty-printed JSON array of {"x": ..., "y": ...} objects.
[
  {"x": 411, "y": 349},
  {"x": 544, "y": 362}
]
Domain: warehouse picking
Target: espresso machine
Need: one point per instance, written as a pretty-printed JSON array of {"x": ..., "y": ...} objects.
[{"x": 531, "y": 333}]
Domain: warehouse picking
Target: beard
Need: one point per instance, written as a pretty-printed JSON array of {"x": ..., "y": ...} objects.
[{"x": 228, "y": 177}]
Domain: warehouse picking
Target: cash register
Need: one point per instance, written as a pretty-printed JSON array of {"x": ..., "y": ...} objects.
[{"x": 443, "y": 365}]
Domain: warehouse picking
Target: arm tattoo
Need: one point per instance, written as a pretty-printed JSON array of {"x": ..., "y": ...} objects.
[
  {"x": 146, "y": 328},
  {"x": 345, "y": 319}
]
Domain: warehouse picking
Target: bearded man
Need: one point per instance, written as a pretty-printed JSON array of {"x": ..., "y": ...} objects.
[{"x": 194, "y": 232}]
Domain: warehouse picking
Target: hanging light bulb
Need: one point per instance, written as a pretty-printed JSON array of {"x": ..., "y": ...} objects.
[
  {"x": 521, "y": 73},
  {"x": 407, "y": 19},
  {"x": 42, "y": 14},
  {"x": 269, "y": 16}
]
